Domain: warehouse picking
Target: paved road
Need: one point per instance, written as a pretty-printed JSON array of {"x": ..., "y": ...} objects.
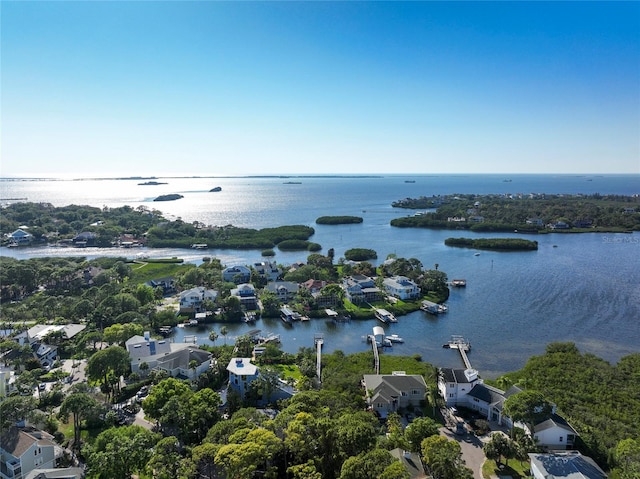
[{"x": 471, "y": 447}]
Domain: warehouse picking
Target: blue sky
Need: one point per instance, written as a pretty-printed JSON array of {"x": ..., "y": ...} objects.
[{"x": 203, "y": 88}]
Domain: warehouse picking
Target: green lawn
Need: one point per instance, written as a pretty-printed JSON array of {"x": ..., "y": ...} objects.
[
  {"x": 515, "y": 469},
  {"x": 143, "y": 272}
]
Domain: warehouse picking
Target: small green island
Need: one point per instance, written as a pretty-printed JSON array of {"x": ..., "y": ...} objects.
[
  {"x": 170, "y": 197},
  {"x": 496, "y": 244},
  {"x": 338, "y": 220}
]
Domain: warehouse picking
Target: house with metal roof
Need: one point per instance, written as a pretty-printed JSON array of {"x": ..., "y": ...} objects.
[{"x": 564, "y": 465}]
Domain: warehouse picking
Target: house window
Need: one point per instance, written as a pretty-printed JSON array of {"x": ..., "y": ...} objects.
[
  {"x": 452, "y": 385},
  {"x": 560, "y": 440},
  {"x": 415, "y": 392},
  {"x": 476, "y": 400},
  {"x": 404, "y": 393},
  {"x": 450, "y": 395}
]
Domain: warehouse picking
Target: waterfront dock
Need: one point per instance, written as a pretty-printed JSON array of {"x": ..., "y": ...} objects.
[{"x": 463, "y": 346}]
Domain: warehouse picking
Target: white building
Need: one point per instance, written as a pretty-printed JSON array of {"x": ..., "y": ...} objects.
[
  {"x": 23, "y": 450},
  {"x": 236, "y": 274},
  {"x": 401, "y": 287},
  {"x": 192, "y": 300},
  {"x": 455, "y": 384}
]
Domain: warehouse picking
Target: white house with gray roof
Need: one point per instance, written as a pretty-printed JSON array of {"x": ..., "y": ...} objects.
[{"x": 401, "y": 287}]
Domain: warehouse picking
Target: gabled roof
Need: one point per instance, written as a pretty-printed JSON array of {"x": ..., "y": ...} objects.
[
  {"x": 181, "y": 358},
  {"x": 488, "y": 394},
  {"x": 554, "y": 421},
  {"x": 391, "y": 386},
  {"x": 566, "y": 465},
  {"x": 410, "y": 461},
  {"x": 17, "y": 441}
]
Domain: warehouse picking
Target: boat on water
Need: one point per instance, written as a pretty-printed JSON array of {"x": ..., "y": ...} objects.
[
  {"x": 433, "y": 308},
  {"x": 394, "y": 338},
  {"x": 200, "y": 246},
  {"x": 288, "y": 316},
  {"x": 216, "y": 189},
  {"x": 165, "y": 330},
  {"x": 477, "y": 254},
  {"x": 249, "y": 317},
  {"x": 385, "y": 316},
  {"x": 459, "y": 283}
]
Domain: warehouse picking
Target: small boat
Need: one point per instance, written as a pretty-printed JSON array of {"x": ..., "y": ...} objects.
[
  {"x": 409, "y": 181},
  {"x": 477, "y": 254},
  {"x": 459, "y": 283},
  {"x": 385, "y": 316},
  {"x": 216, "y": 189},
  {"x": 387, "y": 343},
  {"x": 249, "y": 317},
  {"x": 394, "y": 338}
]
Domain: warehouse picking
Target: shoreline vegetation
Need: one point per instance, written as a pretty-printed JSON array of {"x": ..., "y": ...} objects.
[
  {"x": 530, "y": 213},
  {"x": 495, "y": 244}
]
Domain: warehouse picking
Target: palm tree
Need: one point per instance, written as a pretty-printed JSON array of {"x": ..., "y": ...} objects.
[
  {"x": 224, "y": 331},
  {"x": 213, "y": 336}
]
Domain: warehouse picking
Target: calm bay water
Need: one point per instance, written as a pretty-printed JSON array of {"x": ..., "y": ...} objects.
[{"x": 577, "y": 287}]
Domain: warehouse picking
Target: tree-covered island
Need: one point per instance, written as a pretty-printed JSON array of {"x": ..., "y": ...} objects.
[
  {"x": 338, "y": 220},
  {"x": 496, "y": 244},
  {"x": 530, "y": 213}
]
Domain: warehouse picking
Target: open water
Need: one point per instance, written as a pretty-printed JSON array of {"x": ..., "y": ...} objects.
[{"x": 583, "y": 288}]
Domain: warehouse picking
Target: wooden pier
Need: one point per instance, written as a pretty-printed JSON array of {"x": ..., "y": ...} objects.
[
  {"x": 463, "y": 346},
  {"x": 318, "y": 339}
]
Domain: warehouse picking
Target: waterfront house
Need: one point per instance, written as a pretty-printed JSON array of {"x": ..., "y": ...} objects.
[
  {"x": 455, "y": 384},
  {"x": 583, "y": 223},
  {"x": 559, "y": 225},
  {"x": 314, "y": 285},
  {"x": 236, "y": 274},
  {"x": 401, "y": 287},
  {"x": 359, "y": 288},
  {"x": 193, "y": 300},
  {"x": 535, "y": 222},
  {"x": 247, "y": 295},
  {"x": 564, "y": 465},
  {"x": 20, "y": 237},
  {"x": 284, "y": 290},
  {"x": 387, "y": 393},
  {"x": 86, "y": 238},
  {"x": 25, "y": 449}
]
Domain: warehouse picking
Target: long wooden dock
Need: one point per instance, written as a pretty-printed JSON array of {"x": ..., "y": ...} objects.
[
  {"x": 463, "y": 346},
  {"x": 318, "y": 339}
]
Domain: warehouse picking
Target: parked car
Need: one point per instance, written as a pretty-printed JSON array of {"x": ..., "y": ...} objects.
[{"x": 460, "y": 429}]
